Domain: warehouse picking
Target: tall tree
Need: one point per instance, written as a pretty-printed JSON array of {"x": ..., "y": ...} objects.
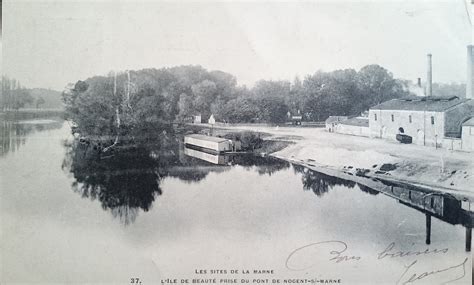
[
  {"x": 378, "y": 85},
  {"x": 185, "y": 107},
  {"x": 205, "y": 92}
]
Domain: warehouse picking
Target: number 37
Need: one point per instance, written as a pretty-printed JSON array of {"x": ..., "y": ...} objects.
[{"x": 135, "y": 280}]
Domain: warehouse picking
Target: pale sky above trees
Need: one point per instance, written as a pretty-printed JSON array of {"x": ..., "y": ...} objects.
[{"x": 51, "y": 43}]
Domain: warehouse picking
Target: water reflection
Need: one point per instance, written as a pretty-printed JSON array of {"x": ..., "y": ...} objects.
[
  {"x": 128, "y": 180},
  {"x": 443, "y": 206},
  {"x": 13, "y": 133},
  {"x": 264, "y": 164},
  {"x": 123, "y": 183},
  {"x": 318, "y": 182},
  {"x": 209, "y": 157}
]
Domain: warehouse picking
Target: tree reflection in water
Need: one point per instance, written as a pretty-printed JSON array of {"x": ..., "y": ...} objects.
[
  {"x": 367, "y": 189},
  {"x": 123, "y": 183},
  {"x": 321, "y": 183},
  {"x": 266, "y": 165},
  {"x": 13, "y": 134},
  {"x": 318, "y": 182},
  {"x": 128, "y": 179}
]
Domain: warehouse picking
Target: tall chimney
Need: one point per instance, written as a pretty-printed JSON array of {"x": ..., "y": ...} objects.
[
  {"x": 419, "y": 82},
  {"x": 429, "y": 77},
  {"x": 470, "y": 72}
]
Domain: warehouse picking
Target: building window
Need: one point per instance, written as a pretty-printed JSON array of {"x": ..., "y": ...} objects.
[
  {"x": 409, "y": 119},
  {"x": 432, "y": 120},
  {"x": 393, "y": 119},
  {"x": 375, "y": 117}
]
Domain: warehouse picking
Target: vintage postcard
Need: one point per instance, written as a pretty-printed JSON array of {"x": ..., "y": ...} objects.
[{"x": 236, "y": 142}]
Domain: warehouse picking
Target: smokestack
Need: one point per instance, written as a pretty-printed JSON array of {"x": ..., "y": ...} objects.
[
  {"x": 429, "y": 77},
  {"x": 470, "y": 72},
  {"x": 419, "y": 82}
]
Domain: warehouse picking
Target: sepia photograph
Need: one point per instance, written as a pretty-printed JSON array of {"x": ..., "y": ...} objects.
[{"x": 236, "y": 142}]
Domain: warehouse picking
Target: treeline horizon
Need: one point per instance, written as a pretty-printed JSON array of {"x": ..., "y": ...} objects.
[
  {"x": 124, "y": 103},
  {"x": 190, "y": 90},
  {"x": 121, "y": 104},
  {"x": 15, "y": 96}
]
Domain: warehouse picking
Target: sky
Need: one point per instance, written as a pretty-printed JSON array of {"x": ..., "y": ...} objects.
[{"x": 49, "y": 44}]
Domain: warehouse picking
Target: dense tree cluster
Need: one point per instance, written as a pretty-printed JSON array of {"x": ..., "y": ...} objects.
[
  {"x": 131, "y": 102},
  {"x": 135, "y": 100},
  {"x": 341, "y": 92}
]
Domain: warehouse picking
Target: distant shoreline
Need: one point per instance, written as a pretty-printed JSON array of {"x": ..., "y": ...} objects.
[
  {"x": 32, "y": 110},
  {"x": 29, "y": 114}
]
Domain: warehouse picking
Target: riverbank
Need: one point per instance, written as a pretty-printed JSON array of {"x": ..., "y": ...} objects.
[{"x": 441, "y": 169}]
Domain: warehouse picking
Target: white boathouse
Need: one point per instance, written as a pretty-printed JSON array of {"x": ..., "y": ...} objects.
[{"x": 208, "y": 143}]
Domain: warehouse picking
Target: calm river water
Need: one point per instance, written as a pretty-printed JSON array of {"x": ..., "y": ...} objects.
[{"x": 158, "y": 213}]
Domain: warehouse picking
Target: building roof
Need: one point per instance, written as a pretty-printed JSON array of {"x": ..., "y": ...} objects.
[
  {"x": 356, "y": 121},
  {"x": 207, "y": 138},
  {"x": 415, "y": 103},
  {"x": 469, "y": 122},
  {"x": 333, "y": 119}
]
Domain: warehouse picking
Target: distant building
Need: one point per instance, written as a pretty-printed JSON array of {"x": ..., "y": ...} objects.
[
  {"x": 428, "y": 120},
  {"x": 357, "y": 126},
  {"x": 441, "y": 121},
  {"x": 211, "y": 120},
  {"x": 296, "y": 118},
  {"x": 333, "y": 121},
  {"x": 197, "y": 119}
]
